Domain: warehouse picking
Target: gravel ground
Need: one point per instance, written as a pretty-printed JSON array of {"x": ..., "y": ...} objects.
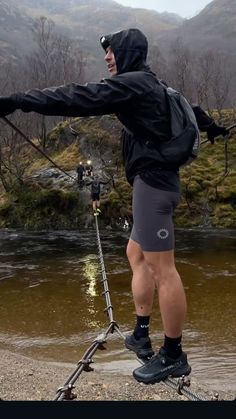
[{"x": 23, "y": 378}]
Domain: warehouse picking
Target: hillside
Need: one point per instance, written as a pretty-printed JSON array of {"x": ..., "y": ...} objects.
[
  {"x": 50, "y": 199},
  {"x": 209, "y": 197},
  {"x": 86, "y": 20},
  {"x": 15, "y": 31},
  {"x": 213, "y": 28},
  {"x": 83, "y": 20}
]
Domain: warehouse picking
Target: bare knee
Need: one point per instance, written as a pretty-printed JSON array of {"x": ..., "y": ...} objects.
[
  {"x": 163, "y": 273},
  {"x": 162, "y": 267},
  {"x": 134, "y": 254}
]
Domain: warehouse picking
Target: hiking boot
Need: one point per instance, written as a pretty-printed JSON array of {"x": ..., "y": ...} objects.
[
  {"x": 161, "y": 366},
  {"x": 142, "y": 347}
]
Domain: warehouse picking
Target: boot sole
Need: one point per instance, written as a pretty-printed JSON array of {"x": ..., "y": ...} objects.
[{"x": 161, "y": 377}]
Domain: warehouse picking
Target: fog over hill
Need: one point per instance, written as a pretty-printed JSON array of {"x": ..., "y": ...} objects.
[
  {"x": 85, "y": 20},
  {"x": 213, "y": 29}
]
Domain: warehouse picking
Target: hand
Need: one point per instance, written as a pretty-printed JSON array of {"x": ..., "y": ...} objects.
[
  {"x": 7, "y": 105},
  {"x": 214, "y": 131}
]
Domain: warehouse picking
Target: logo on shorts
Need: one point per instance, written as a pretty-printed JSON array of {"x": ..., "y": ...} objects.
[{"x": 162, "y": 233}]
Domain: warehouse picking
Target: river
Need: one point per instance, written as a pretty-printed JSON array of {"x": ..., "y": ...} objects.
[{"x": 52, "y": 306}]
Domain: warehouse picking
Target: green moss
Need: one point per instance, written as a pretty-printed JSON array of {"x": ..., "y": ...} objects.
[
  {"x": 57, "y": 131},
  {"x": 208, "y": 191},
  {"x": 224, "y": 216},
  {"x": 50, "y": 209}
]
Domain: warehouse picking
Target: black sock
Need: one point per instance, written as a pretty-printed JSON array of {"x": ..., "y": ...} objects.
[
  {"x": 173, "y": 346},
  {"x": 142, "y": 327}
]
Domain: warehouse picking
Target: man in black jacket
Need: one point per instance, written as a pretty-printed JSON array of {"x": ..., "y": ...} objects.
[
  {"x": 137, "y": 98},
  {"x": 80, "y": 173},
  {"x": 95, "y": 193}
]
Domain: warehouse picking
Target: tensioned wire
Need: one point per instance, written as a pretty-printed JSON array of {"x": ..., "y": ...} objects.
[{"x": 65, "y": 392}]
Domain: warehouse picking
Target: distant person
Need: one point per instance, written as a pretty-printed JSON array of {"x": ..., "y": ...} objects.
[
  {"x": 95, "y": 193},
  {"x": 89, "y": 169},
  {"x": 80, "y": 172}
]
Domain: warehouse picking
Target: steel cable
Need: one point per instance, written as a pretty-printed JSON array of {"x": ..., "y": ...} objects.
[
  {"x": 181, "y": 385},
  {"x": 35, "y": 146},
  {"x": 65, "y": 392}
]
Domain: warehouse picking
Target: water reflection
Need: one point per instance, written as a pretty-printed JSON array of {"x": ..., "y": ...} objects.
[
  {"x": 52, "y": 305},
  {"x": 90, "y": 271}
]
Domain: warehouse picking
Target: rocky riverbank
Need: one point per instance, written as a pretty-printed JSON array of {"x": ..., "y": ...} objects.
[{"x": 27, "y": 379}]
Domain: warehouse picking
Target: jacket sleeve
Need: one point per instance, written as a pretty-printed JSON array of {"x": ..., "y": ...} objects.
[
  {"x": 203, "y": 120},
  {"x": 106, "y": 97},
  {"x": 208, "y": 125}
]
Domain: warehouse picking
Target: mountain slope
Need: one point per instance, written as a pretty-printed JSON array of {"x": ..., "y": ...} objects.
[
  {"x": 15, "y": 30},
  {"x": 214, "y": 27},
  {"x": 85, "y": 20}
]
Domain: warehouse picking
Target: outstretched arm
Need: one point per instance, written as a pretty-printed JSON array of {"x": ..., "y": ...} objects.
[
  {"x": 106, "y": 97},
  {"x": 208, "y": 125}
]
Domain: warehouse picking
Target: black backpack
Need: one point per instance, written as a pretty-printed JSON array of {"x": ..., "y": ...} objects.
[
  {"x": 96, "y": 186},
  {"x": 183, "y": 146}
]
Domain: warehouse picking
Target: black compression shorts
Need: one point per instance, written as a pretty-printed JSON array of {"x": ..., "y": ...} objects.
[
  {"x": 153, "y": 209},
  {"x": 95, "y": 196}
]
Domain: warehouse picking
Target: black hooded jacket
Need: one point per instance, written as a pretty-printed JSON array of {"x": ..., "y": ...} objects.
[{"x": 134, "y": 95}]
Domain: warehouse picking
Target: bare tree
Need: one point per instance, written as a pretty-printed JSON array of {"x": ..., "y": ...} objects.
[
  {"x": 157, "y": 62},
  {"x": 68, "y": 60},
  {"x": 202, "y": 78},
  {"x": 180, "y": 64},
  {"x": 14, "y": 159},
  {"x": 220, "y": 82},
  {"x": 12, "y": 78},
  {"x": 56, "y": 60},
  {"x": 41, "y": 60},
  {"x": 212, "y": 81}
]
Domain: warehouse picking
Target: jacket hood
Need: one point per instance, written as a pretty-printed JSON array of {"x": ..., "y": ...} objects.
[{"x": 130, "y": 48}]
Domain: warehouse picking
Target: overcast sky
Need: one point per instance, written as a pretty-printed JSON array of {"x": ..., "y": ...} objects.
[{"x": 184, "y": 8}]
